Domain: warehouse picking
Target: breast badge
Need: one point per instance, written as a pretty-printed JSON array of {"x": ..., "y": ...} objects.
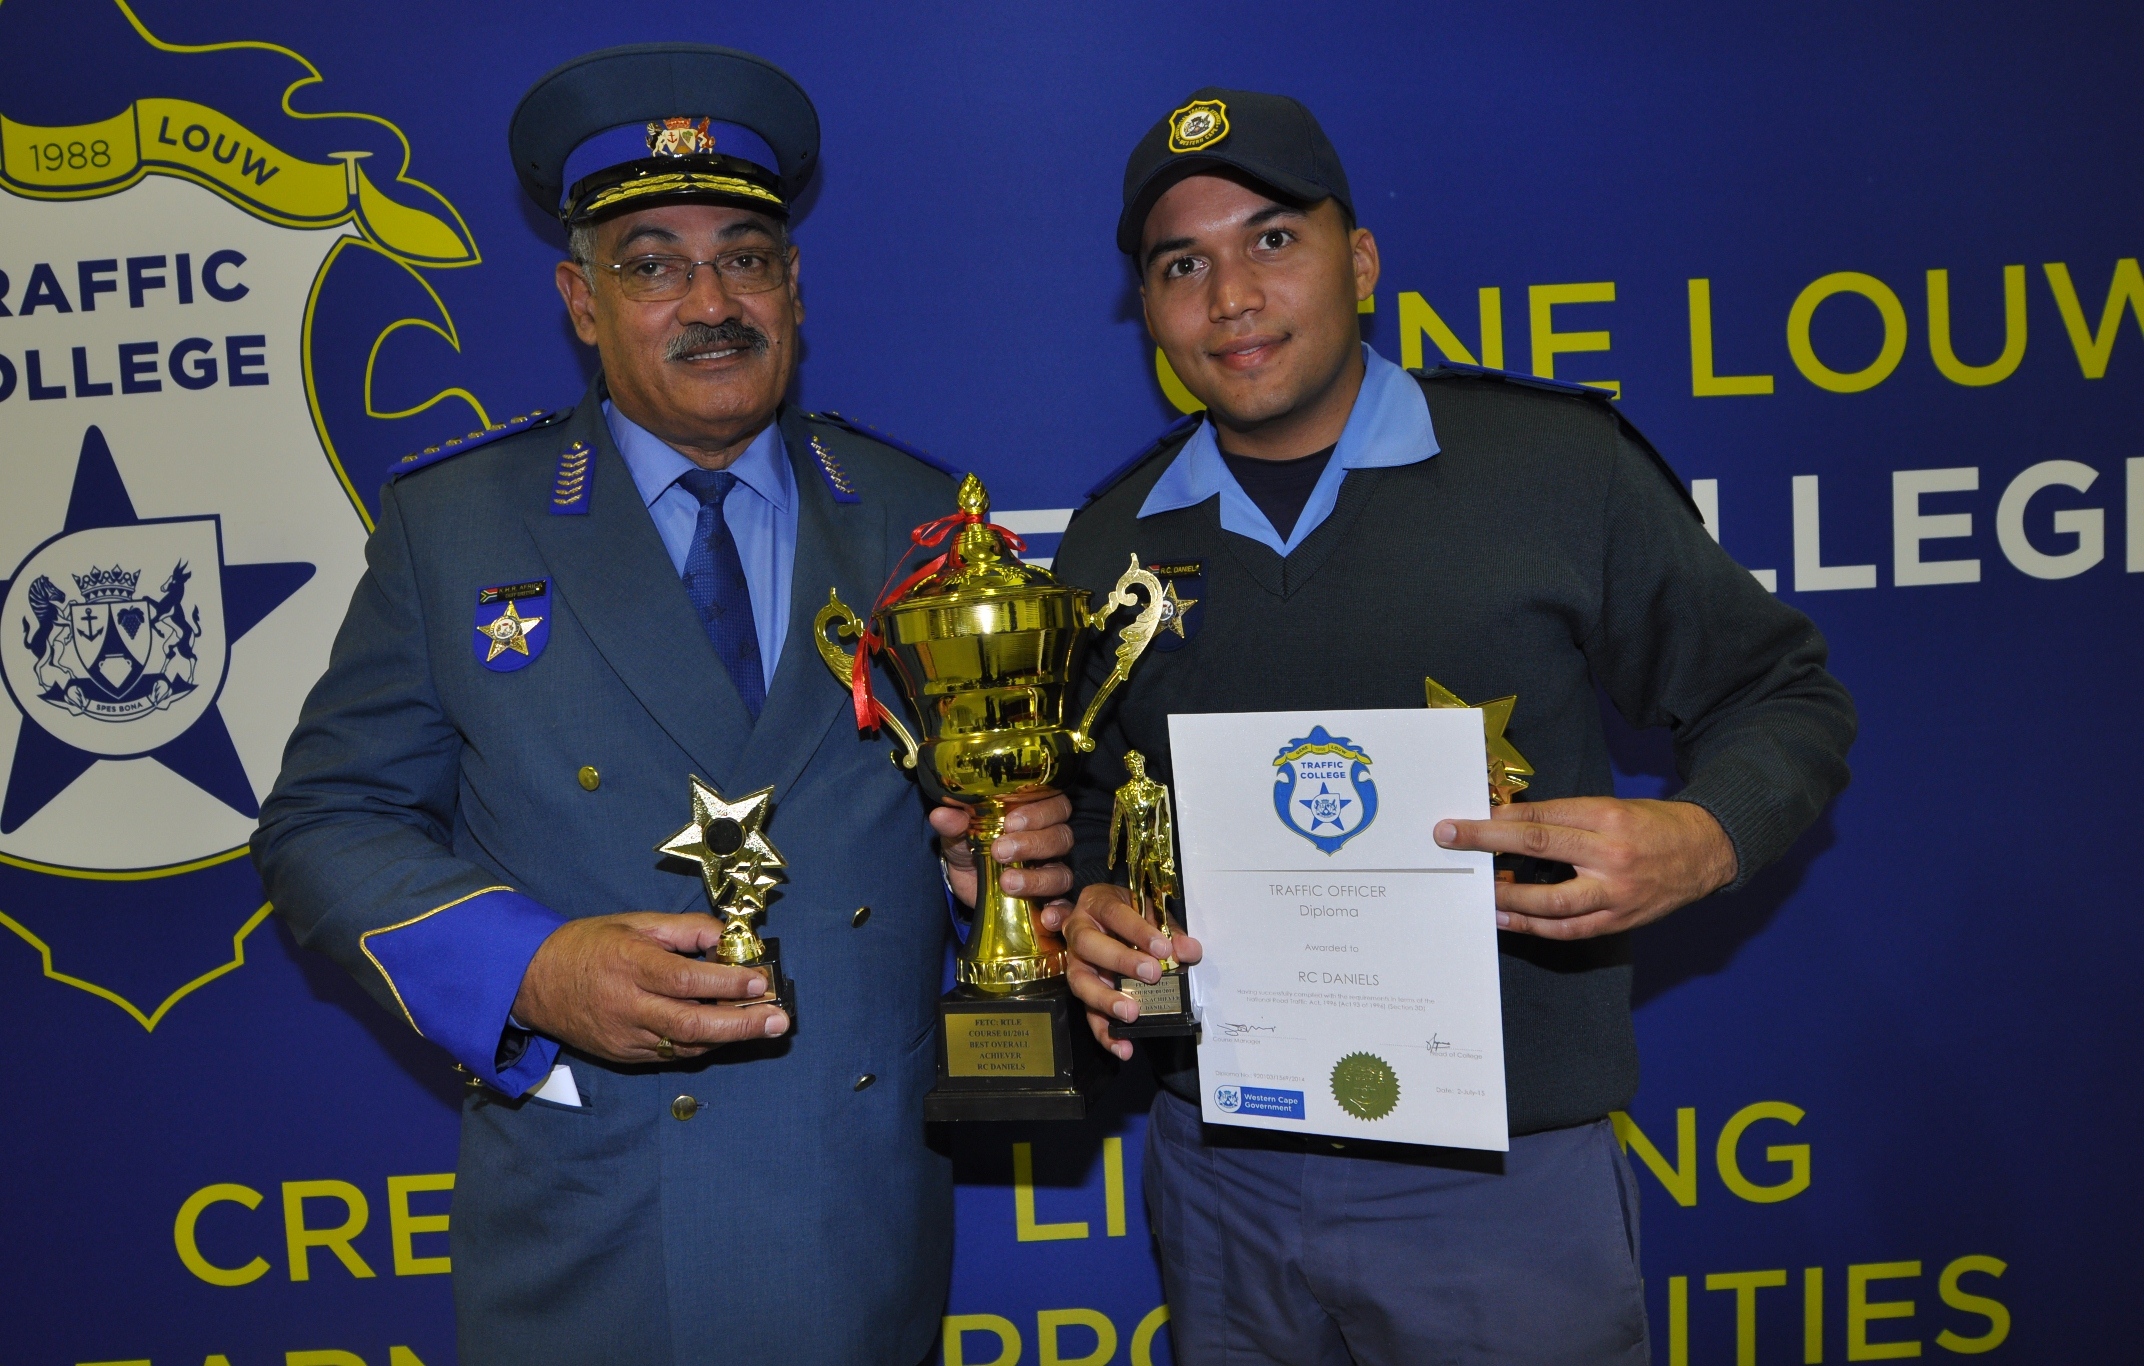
[
  {"x": 1183, "y": 587},
  {"x": 513, "y": 624},
  {"x": 1322, "y": 790}
]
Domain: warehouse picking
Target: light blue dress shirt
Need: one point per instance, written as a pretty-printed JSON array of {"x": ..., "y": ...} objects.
[
  {"x": 761, "y": 512},
  {"x": 1389, "y": 425}
]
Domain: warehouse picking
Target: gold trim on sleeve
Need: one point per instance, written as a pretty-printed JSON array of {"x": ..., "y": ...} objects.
[{"x": 366, "y": 948}]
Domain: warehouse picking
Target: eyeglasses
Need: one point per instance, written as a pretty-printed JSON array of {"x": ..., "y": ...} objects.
[{"x": 657, "y": 279}]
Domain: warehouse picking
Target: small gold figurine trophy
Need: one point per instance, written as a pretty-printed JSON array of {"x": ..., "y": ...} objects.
[
  {"x": 988, "y": 652},
  {"x": 1508, "y": 769},
  {"x": 739, "y": 865},
  {"x": 1143, "y": 827}
]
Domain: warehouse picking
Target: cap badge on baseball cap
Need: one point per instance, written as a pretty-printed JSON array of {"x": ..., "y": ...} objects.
[{"x": 1197, "y": 126}]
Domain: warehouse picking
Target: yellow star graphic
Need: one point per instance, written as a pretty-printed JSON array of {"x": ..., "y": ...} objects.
[
  {"x": 1172, "y": 616},
  {"x": 1507, "y": 767},
  {"x": 510, "y": 631}
]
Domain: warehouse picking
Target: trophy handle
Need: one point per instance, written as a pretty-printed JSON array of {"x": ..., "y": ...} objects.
[
  {"x": 842, "y": 664},
  {"x": 1131, "y": 641}
]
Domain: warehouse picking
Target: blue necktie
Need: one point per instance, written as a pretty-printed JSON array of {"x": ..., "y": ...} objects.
[{"x": 714, "y": 580}]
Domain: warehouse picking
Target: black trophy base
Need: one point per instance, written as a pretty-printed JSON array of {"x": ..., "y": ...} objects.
[
  {"x": 1026, "y": 1056},
  {"x": 780, "y": 990},
  {"x": 1164, "y": 1008}
]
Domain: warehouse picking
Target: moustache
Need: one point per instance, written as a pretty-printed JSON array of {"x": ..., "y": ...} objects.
[{"x": 733, "y": 334}]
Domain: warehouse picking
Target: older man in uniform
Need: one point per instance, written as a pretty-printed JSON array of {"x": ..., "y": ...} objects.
[
  {"x": 1341, "y": 530},
  {"x": 564, "y": 621}
]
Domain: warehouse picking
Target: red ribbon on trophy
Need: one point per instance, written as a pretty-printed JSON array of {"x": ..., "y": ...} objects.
[{"x": 926, "y": 537}]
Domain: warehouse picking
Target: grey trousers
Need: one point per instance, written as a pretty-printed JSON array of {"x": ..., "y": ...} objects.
[{"x": 1303, "y": 1252}]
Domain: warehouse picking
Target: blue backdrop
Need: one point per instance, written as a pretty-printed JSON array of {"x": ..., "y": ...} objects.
[{"x": 1867, "y": 274}]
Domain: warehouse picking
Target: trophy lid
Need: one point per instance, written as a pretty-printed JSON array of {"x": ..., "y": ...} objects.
[{"x": 981, "y": 560}]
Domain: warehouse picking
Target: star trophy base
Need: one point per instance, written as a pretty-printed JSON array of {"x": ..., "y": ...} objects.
[
  {"x": 780, "y": 990},
  {"x": 1164, "y": 1008},
  {"x": 1028, "y": 1055}
]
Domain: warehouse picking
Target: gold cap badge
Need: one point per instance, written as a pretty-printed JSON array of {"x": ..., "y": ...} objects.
[{"x": 1198, "y": 125}]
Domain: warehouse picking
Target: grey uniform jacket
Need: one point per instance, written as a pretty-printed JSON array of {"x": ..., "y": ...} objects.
[{"x": 799, "y": 1216}]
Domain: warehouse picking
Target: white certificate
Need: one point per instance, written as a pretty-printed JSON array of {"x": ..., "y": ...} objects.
[{"x": 1349, "y": 984}]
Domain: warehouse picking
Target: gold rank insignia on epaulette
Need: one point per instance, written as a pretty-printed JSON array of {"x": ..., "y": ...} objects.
[
  {"x": 461, "y": 445},
  {"x": 836, "y": 478},
  {"x": 569, "y": 488}
]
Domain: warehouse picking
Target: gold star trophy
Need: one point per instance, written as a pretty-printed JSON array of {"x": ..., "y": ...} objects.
[
  {"x": 1142, "y": 825},
  {"x": 1508, "y": 769},
  {"x": 739, "y": 866}
]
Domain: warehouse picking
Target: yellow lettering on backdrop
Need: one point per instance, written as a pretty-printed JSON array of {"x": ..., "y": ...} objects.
[
  {"x": 69, "y": 158},
  {"x": 323, "y": 1358},
  {"x": 1419, "y": 320},
  {"x": 1894, "y": 332},
  {"x": 1049, "y": 1321},
  {"x": 1860, "y": 1312},
  {"x": 403, "y": 1356},
  {"x": 958, "y": 1325},
  {"x": 1994, "y": 1311},
  {"x": 300, "y": 1240},
  {"x": 1678, "y": 1321},
  {"x": 1680, "y": 1179},
  {"x": 1795, "y": 1155},
  {"x": 1939, "y": 345},
  {"x": 1548, "y": 343},
  {"x": 1703, "y": 382},
  {"x": 2125, "y": 290},
  {"x": 1812, "y": 1316},
  {"x": 183, "y": 1234},
  {"x": 1113, "y": 1185},
  {"x": 1172, "y": 387},
  {"x": 1025, "y": 1229},
  {"x": 404, "y": 1226},
  {"x": 1745, "y": 1284},
  {"x": 1143, "y": 1335}
]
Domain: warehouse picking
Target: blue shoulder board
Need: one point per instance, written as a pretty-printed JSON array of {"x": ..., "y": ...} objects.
[
  {"x": 1554, "y": 386},
  {"x": 864, "y": 429},
  {"x": 483, "y": 436},
  {"x": 1116, "y": 476}
]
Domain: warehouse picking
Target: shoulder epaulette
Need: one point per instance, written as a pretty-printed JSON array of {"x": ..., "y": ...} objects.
[
  {"x": 1116, "y": 476},
  {"x": 460, "y": 445},
  {"x": 1453, "y": 369},
  {"x": 863, "y": 429}
]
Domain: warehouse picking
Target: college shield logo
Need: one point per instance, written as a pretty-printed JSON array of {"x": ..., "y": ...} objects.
[{"x": 1322, "y": 789}]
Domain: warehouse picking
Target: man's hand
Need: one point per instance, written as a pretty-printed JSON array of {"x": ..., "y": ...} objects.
[
  {"x": 1636, "y": 861},
  {"x": 1033, "y": 830},
  {"x": 614, "y": 985},
  {"x": 1109, "y": 939}
]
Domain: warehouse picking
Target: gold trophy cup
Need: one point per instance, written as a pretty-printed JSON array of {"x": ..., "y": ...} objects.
[{"x": 987, "y": 651}]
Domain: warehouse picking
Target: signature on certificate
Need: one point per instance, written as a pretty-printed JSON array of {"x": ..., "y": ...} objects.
[{"x": 1237, "y": 1031}]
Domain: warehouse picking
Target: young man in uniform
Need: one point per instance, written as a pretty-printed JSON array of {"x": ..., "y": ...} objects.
[{"x": 1341, "y": 530}]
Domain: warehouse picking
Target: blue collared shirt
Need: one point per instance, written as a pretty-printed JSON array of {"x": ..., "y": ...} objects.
[
  {"x": 761, "y": 512},
  {"x": 1389, "y": 425}
]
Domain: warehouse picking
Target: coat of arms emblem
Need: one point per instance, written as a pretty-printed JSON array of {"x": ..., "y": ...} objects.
[
  {"x": 679, "y": 137},
  {"x": 1322, "y": 789}
]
